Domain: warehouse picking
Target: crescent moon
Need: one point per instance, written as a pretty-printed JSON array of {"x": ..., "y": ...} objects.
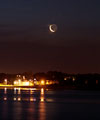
[{"x": 50, "y": 27}]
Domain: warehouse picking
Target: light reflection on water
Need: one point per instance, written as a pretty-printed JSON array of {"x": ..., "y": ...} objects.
[
  {"x": 24, "y": 95},
  {"x": 42, "y": 95},
  {"x": 19, "y": 91},
  {"x": 5, "y": 90},
  {"x": 15, "y": 99},
  {"x": 42, "y": 110},
  {"x": 14, "y": 90},
  {"x": 32, "y": 104},
  {"x": 30, "y": 91},
  {"x": 5, "y": 98},
  {"x": 31, "y": 99},
  {"x": 19, "y": 99}
]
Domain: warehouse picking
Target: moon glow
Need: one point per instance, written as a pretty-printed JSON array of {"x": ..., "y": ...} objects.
[{"x": 53, "y": 28}]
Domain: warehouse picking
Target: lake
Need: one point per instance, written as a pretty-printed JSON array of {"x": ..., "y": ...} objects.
[{"x": 35, "y": 104}]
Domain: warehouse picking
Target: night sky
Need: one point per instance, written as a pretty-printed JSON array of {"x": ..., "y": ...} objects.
[{"x": 26, "y": 43}]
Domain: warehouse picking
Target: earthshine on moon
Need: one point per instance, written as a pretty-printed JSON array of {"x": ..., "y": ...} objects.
[{"x": 53, "y": 28}]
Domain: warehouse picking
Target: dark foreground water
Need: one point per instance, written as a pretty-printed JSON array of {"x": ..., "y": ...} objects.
[{"x": 32, "y": 104}]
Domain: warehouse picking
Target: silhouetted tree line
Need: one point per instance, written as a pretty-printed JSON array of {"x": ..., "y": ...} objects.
[{"x": 74, "y": 80}]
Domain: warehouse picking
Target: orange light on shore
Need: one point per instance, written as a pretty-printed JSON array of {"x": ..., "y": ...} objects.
[
  {"x": 42, "y": 82},
  {"x": 16, "y": 83},
  {"x": 5, "y": 81},
  {"x": 23, "y": 83},
  {"x": 19, "y": 82}
]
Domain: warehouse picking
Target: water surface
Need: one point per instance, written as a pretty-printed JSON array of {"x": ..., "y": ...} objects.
[{"x": 33, "y": 104}]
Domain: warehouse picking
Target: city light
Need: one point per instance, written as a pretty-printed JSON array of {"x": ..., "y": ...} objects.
[
  {"x": 23, "y": 83},
  {"x": 42, "y": 82},
  {"x": 47, "y": 82},
  {"x": 5, "y": 81}
]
